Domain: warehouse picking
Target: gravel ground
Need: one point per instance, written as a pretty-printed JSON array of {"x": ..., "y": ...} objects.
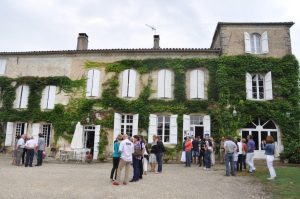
[{"x": 92, "y": 181}]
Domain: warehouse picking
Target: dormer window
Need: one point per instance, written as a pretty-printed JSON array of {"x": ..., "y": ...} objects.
[{"x": 256, "y": 43}]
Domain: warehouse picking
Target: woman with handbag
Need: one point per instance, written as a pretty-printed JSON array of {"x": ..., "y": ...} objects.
[{"x": 137, "y": 156}]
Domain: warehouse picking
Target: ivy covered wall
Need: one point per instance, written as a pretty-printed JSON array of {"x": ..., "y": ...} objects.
[{"x": 226, "y": 89}]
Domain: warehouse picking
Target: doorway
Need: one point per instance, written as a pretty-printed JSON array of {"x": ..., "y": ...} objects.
[
  {"x": 199, "y": 130},
  {"x": 89, "y": 138}
]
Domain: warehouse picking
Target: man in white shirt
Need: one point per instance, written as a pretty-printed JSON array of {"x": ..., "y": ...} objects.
[
  {"x": 127, "y": 149},
  {"x": 30, "y": 146}
]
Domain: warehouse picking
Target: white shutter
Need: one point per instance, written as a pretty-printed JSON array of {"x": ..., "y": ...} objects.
[
  {"x": 35, "y": 130},
  {"x": 89, "y": 83},
  {"x": 2, "y": 66},
  {"x": 1, "y": 98},
  {"x": 200, "y": 84},
  {"x": 161, "y": 84},
  {"x": 135, "y": 125},
  {"x": 132, "y": 83},
  {"x": 51, "y": 97},
  {"x": 206, "y": 124},
  {"x": 44, "y": 99},
  {"x": 25, "y": 128},
  {"x": 268, "y": 86},
  {"x": 9, "y": 133},
  {"x": 173, "y": 129},
  {"x": 18, "y": 97},
  {"x": 247, "y": 42},
  {"x": 24, "y": 98},
  {"x": 168, "y": 84},
  {"x": 264, "y": 42},
  {"x": 117, "y": 125},
  {"x": 186, "y": 124},
  {"x": 96, "y": 142},
  {"x": 249, "y": 86},
  {"x": 152, "y": 130},
  {"x": 125, "y": 83},
  {"x": 96, "y": 83},
  {"x": 193, "y": 84}
]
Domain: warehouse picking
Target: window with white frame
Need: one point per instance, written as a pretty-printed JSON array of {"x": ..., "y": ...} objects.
[
  {"x": 164, "y": 84},
  {"x": 46, "y": 133},
  {"x": 259, "y": 86},
  {"x": 20, "y": 128},
  {"x": 93, "y": 83},
  {"x": 163, "y": 128},
  {"x": 22, "y": 93},
  {"x": 2, "y": 66},
  {"x": 127, "y": 124},
  {"x": 48, "y": 97},
  {"x": 128, "y": 83},
  {"x": 256, "y": 43},
  {"x": 197, "y": 84}
]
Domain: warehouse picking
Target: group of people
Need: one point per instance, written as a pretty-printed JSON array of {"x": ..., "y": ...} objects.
[
  {"x": 26, "y": 148},
  {"x": 198, "y": 151},
  {"x": 134, "y": 151},
  {"x": 238, "y": 153}
]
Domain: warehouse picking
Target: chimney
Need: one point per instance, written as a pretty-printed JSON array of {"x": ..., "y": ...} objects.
[
  {"x": 156, "y": 42},
  {"x": 82, "y": 41}
]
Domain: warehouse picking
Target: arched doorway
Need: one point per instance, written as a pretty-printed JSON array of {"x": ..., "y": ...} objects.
[{"x": 260, "y": 129}]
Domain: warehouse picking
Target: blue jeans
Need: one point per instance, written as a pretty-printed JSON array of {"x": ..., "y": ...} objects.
[
  {"x": 159, "y": 159},
  {"x": 207, "y": 159},
  {"x": 229, "y": 160},
  {"x": 188, "y": 157},
  {"x": 136, "y": 169}
]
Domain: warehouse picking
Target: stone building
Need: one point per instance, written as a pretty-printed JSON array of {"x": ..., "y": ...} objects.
[{"x": 258, "y": 39}]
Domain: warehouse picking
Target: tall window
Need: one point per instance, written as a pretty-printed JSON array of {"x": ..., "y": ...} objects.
[
  {"x": 48, "y": 97},
  {"x": 128, "y": 83},
  {"x": 22, "y": 93},
  {"x": 255, "y": 40},
  {"x": 164, "y": 84},
  {"x": 2, "y": 66},
  {"x": 20, "y": 129},
  {"x": 256, "y": 43},
  {"x": 127, "y": 124},
  {"x": 259, "y": 86},
  {"x": 163, "y": 128},
  {"x": 46, "y": 132},
  {"x": 197, "y": 84},
  {"x": 93, "y": 83}
]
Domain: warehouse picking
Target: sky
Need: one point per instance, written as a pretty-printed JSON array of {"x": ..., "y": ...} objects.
[{"x": 30, "y": 25}]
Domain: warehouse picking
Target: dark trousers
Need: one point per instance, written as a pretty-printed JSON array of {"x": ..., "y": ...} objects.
[
  {"x": 159, "y": 159},
  {"x": 201, "y": 158},
  {"x": 188, "y": 155},
  {"x": 244, "y": 161},
  {"x": 114, "y": 170},
  {"x": 40, "y": 157},
  {"x": 141, "y": 168},
  {"x": 29, "y": 157},
  {"x": 229, "y": 164},
  {"x": 23, "y": 155},
  {"x": 136, "y": 169},
  {"x": 239, "y": 163},
  {"x": 207, "y": 159}
]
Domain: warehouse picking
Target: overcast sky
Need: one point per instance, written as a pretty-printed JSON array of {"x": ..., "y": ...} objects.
[{"x": 28, "y": 25}]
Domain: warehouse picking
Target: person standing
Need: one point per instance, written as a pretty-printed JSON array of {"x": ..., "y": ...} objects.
[
  {"x": 116, "y": 157},
  {"x": 153, "y": 151},
  {"x": 41, "y": 147},
  {"x": 145, "y": 159},
  {"x": 202, "y": 152},
  {"x": 24, "y": 149},
  {"x": 244, "y": 153},
  {"x": 141, "y": 166},
  {"x": 207, "y": 153},
  {"x": 213, "y": 148},
  {"x": 159, "y": 154},
  {"x": 30, "y": 146},
  {"x": 229, "y": 147},
  {"x": 188, "y": 152},
  {"x": 250, "y": 154},
  {"x": 19, "y": 148},
  {"x": 222, "y": 151},
  {"x": 195, "y": 151},
  {"x": 240, "y": 155},
  {"x": 137, "y": 156},
  {"x": 269, "y": 152},
  {"x": 126, "y": 148}
]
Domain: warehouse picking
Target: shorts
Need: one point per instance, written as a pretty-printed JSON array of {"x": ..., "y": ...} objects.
[
  {"x": 195, "y": 153},
  {"x": 152, "y": 158}
]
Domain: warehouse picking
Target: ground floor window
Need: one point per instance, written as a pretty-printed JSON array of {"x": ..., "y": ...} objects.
[
  {"x": 20, "y": 129},
  {"x": 196, "y": 126},
  {"x": 127, "y": 124},
  {"x": 163, "y": 127},
  {"x": 46, "y": 133}
]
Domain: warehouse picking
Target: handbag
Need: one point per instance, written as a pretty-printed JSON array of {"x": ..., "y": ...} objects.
[{"x": 183, "y": 158}]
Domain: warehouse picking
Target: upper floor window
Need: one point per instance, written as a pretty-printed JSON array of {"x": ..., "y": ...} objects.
[
  {"x": 128, "y": 83},
  {"x": 259, "y": 86},
  {"x": 21, "y": 100},
  {"x": 196, "y": 84},
  {"x": 164, "y": 84},
  {"x": 2, "y": 66},
  {"x": 93, "y": 83},
  {"x": 256, "y": 43},
  {"x": 48, "y": 97}
]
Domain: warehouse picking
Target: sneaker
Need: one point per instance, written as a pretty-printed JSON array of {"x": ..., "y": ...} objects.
[
  {"x": 132, "y": 180},
  {"x": 115, "y": 183}
]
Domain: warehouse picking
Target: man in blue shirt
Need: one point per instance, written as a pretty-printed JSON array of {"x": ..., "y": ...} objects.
[{"x": 250, "y": 154}]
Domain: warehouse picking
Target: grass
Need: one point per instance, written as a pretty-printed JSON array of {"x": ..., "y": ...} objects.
[{"x": 286, "y": 184}]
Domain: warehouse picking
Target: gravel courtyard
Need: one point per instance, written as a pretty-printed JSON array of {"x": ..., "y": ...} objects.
[{"x": 92, "y": 181}]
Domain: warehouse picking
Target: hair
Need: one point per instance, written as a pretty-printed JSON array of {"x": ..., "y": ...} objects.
[
  {"x": 185, "y": 138},
  {"x": 120, "y": 137},
  {"x": 244, "y": 140},
  {"x": 269, "y": 139},
  {"x": 250, "y": 136},
  {"x": 239, "y": 139},
  {"x": 136, "y": 137}
]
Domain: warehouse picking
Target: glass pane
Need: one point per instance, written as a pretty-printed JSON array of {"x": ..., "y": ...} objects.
[
  {"x": 263, "y": 135},
  {"x": 160, "y": 118},
  {"x": 167, "y": 126},
  {"x": 123, "y": 119},
  {"x": 274, "y": 135},
  {"x": 167, "y": 132},
  {"x": 255, "y": 139},
  {"x": 167, "y": 119},
  {"x": 166, "y": 139},
  {"x": 159, "y": 132},
  {"x": 245, "y": 134},
  {"x": 269, "y": 125}
]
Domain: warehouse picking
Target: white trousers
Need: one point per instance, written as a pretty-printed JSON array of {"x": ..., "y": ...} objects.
[
  {"x": 250, "y": 161},
  {"x": 145, "y": 164},
  {"x": 270, "y": 159}
]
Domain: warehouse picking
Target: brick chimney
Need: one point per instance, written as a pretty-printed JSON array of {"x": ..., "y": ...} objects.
[
  {"x": 156, "y": 42},
  {"x": 82, "y": 41}
]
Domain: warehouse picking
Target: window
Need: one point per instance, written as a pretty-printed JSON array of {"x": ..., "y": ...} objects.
[
  {"x": 128, "y": 83},
  {"x": 22, "y": 94},
  {"x": 163, "y": 128},
  {"x": 20, "y": 129},
  {"x": 197, "y": 84},
  {"x": 256, "y": 43},
  {"x": 46, "y": 132},
  {"x": 259, "y": 86},
  {"x": 48, "y": 97},
  {"x": 196, "y": 120},
  {"x": 2, "y": 66},
  {"x": 196, "y": 125},
  {"x": 127, "y": 124},
  {"x": 164, "y": 84},
  {"x": 93, "y": 83}
]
